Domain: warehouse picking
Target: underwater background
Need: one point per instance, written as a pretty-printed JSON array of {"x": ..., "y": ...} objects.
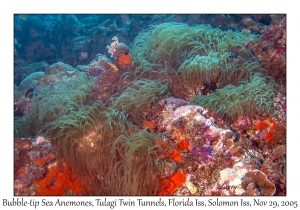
[{"x": 150, "y": 104}]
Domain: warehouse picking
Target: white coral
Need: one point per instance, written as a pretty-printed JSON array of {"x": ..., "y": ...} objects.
[{"x": 112, "y": 47}]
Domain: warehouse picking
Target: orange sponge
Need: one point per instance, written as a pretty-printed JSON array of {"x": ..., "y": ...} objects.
[
  {"x": 171, "y": 183},
  {"x": 124, "y": 59}
]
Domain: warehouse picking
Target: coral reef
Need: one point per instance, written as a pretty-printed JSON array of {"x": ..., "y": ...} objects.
[
  {"x": 120, "y": 51},
  {"x": 270, "y": 48},
  {"x": 186, "y": 110},
  {"x": 95, "y": 67},
  {"x": 53, "y": 38},
  {"x": 31, "y": 160},
  {"x": 252, "y": 25},
  {"x": 116, "y": 75},
  {"x": 201, "y": 57},
  {"x": 218, "y": 161},
  {"x": 257, "y": 178},
  {"x": 38, "y": 173},
  {"x": 111, "y": 81},
  {"x": 49, "y": 103},
  {"x": 58, "y": 182},
  {"x": 280, "y": 110},
  {"x": 57, "y": 71},
  {"x": 23, "y": 71},
  {"x": 31, "y": 81},
  {"x": 136, "y": 98},
  {"x": 255, "y": 97},
  {"x": 22, "y": 106}
]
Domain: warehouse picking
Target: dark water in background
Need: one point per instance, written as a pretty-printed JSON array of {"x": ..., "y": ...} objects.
[{"x": 55, "y": 38}]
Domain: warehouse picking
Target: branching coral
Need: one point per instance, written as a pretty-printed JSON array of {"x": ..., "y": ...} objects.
[{"x": 112, "y": 47}]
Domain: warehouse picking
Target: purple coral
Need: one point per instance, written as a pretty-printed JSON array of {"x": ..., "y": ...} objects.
[
  {"x": 175, "y": 102},
  {"x": 95, "y": 71},
  {"x": 32, "y": 173},
  {"x": 280, "y": 110},
  {"x": 41, "y": 150},
  {"x": 205, "y": 151}
]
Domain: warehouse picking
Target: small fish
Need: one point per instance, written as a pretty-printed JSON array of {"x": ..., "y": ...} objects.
[
  {"x": 29, "y": 93},
  {"x": 236, "y": 137},
  {"x": 233, "y": 54},
  {"x": 83, "y": 56}
]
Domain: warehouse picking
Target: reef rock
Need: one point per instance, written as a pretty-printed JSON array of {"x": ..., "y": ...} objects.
[
  {"x": 256, "y": 182},
  {"x": 56, "y": 72},
  {"x": 195, "y": 119},
  {"x": 31, "y": 81}
]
